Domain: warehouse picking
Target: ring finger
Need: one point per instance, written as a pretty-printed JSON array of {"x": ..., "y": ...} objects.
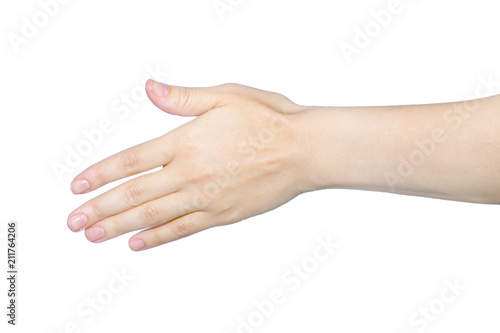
[{"x": 147, "y": 215}]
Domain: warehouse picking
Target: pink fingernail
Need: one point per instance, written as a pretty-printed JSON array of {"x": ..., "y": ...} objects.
[
  {"x": 94, "y": 234},
  {"x": 158, "y": 89},
  {"x": 137, "y": 244},
  {"x": 80, "y": 186},
  {"x": 77, "y": 222}
]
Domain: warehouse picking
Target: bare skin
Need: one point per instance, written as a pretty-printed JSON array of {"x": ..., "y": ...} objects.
[{"x": 250, "y": 151}]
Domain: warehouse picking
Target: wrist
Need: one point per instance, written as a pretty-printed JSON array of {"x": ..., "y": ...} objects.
[
  {"x": 319, "y": 148},
  {"x": 339, "y": 148},
  {"x": 325, "y": 148}
]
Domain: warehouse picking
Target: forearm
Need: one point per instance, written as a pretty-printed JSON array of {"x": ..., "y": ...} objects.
[{"x": 449, "y": 151}]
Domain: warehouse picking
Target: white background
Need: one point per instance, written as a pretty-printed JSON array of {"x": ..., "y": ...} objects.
[{"x": 396, "y": 252}]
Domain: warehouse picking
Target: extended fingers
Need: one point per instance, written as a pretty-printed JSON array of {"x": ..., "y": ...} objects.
[
  {"x": 124, "y": 197},
  {"x": 143, "y": 157},
  {"x": 148, "y": 215}
]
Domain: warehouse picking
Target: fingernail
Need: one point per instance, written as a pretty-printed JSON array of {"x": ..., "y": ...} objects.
[
  {"x": 77, "y": 222},
  {"x": 158, "y": 89},
  {"x": 137, "y": 244},
  {"x": 94, "y": 234},
  {"x": 80, "y": 186}
]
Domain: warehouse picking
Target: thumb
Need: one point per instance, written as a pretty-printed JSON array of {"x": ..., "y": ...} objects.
[{"x": 182, "y": 101}]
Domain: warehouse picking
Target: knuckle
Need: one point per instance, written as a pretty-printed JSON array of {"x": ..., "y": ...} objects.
[
  {"x": 95, "y": 174},
  {"x": 189, "y": 148},
  {"x": 184, "y": 97},
  {"x": 95, "y": 210},
  {"x": 185, "y": 208},
  {"x": 134, "y": 195},
  {"x": 191, "y": 175},
  {"x": 150, "y": 215},
  {"x": 130, "y": 162},
  {"x": 112, "y": 226},
  {"x": 284, "y": 100},
  {"x": 232, "y": 90},
  {"x": 230, "y": 216},
  {"x": 182, "y": 227},
  {"x": 231, "y": 87}
]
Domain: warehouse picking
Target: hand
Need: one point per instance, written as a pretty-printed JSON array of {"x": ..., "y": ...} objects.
[{"x": 240, "y": 157}]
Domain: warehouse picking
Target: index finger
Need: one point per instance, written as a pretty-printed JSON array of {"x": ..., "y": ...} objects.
[{"x": 140, "y": 158}]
